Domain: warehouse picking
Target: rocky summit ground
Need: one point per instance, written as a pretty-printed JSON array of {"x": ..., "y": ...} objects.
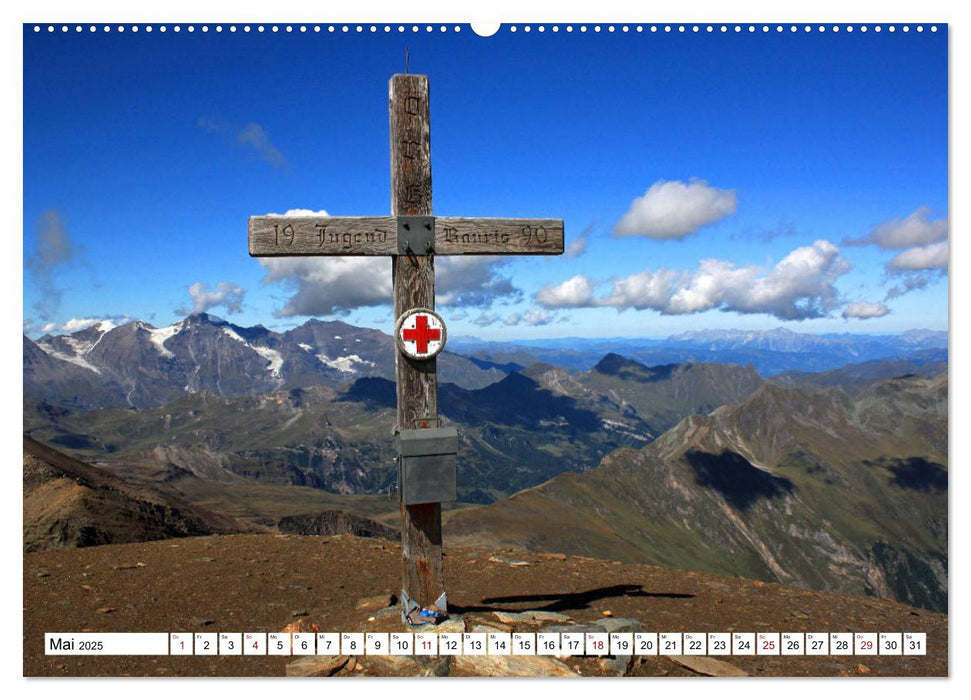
[{"x": 268, "y": 583}]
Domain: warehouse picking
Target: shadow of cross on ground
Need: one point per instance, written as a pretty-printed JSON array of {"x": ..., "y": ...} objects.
[{"x": 559, "y": 602}]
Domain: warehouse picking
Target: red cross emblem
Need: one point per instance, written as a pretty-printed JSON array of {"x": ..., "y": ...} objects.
[{"x": 420, "y": 334}]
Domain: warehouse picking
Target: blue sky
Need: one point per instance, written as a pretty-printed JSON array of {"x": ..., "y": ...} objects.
[{"x": 723, "y": 180}]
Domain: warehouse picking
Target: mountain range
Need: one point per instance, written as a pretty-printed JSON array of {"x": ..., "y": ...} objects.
[
  {"x": 805, "y": 486},
  {"x": 834, "y": 480},
  {"x": 770, "y": 352},
  {"x": 141, "y": 366},
  {"x": 515, "y": 433}
]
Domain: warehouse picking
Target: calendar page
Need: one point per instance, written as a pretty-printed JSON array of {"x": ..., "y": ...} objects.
[{"x": 649, "y": 380}]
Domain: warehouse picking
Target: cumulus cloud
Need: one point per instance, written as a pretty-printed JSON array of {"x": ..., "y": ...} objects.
[
  {"x": 923, "y": 246},
  {"x": 675, "y": 209},
  {"x": 531, "y": 317},
  {"x": 865, "y": 310},
  {"x": 302, "y": 212},
  {"x": 486, "y": 319},
  {"x": 800, "y": 286},
  {"x": 75, "y": 324},
  {"x": 228, "y": 295},
  {"x": 572, "y": 293},
  {"x": 473, "y": 280},
  {"x": 927, "y": 257},
  {"x": 252, "y": 136},
  {"x": 328, "y": 286},
  {"x": 54, "y": 250},
  {"x": 914, "y": 230}
]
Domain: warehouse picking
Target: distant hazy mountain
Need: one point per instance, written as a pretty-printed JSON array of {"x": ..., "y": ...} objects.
[
  {"x": 854, "y": 378},
  {"x": 769, "y": 352},
  {"x": 805, "y": 486}
]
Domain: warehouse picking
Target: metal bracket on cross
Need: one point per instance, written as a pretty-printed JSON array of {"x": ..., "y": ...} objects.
[{"x": 416, "y": 235}]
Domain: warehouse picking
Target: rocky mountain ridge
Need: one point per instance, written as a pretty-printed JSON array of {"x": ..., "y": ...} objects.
[{"x": 808, "y": 487}]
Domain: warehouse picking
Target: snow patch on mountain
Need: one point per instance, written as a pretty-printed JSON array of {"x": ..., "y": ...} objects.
[
  {"x": 344, "y": 364},
  {"x": 229, "y": 332},
  {"x": 304, "y": 346},
  {"x": 73, "y": 359},
  {"x": 273, "y": 358},
  {"x": 158, "y": 336},
  {"x": 80, "y": 347}
]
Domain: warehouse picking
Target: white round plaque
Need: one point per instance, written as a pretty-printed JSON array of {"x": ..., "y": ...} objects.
[{"x": 420, "y": 333}]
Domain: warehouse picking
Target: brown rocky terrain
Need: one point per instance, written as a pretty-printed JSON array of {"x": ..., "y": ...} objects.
[
  {"x": 266, "y": 582},
  {"x": 68, "y": 503}
]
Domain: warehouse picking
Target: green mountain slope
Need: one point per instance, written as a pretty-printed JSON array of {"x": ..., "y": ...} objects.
[{"x": 806, "y": 487}]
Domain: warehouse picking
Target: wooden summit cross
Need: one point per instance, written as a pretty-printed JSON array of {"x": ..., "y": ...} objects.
[{"x": 412, "y": 237}]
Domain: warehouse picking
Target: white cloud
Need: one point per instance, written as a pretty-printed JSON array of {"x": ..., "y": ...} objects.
[
  {"x": 914, "y": 230},
  {"x": 75, "y": 324},
  {"x": 928, "y": 257},
  {"x": 532, "y": 317},
  {"x": 800, "y": 286},
  {"x": 923, "y": 244},
  {"x": 324, "y": 286},
  {"x": 472, "y": 280},
  {"x": 674, "y": 209},
  {"x": 865, "y": 310},
  {"x": 485, "y": 319},
  {"x": 574, "y": 292},
  {"x": 228, "y": 295},
  {"x": 302, "y": 212}
]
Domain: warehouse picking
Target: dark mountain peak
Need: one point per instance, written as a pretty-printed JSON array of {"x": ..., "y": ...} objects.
[
  {"x": 616, "y": 365},
  {"x": 92, "y": 332},
  {"x": 625, "y": 368},
  {"x": 259, "y": 335},
  {"x": 506, "y": 367},
  {"x": 513, "y": 382},
  {"x": 203, "y": 319},
  {"x": 335, "y": 325}
]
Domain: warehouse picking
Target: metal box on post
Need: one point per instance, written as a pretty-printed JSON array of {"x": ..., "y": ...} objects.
[{"x": 427, "y": 465}]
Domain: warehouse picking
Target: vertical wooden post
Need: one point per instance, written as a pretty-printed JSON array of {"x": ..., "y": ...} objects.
[{"x": 423, "y": 577}]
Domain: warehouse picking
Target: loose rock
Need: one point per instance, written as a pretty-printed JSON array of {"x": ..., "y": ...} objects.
[
  {"x": 505, "y": 666},
  {"x": 707, "y": 666},
  {"x": 307, "y": 666}
]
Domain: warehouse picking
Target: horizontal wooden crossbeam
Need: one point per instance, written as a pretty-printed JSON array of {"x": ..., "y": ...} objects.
[{"x": 281, "y": 236}]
